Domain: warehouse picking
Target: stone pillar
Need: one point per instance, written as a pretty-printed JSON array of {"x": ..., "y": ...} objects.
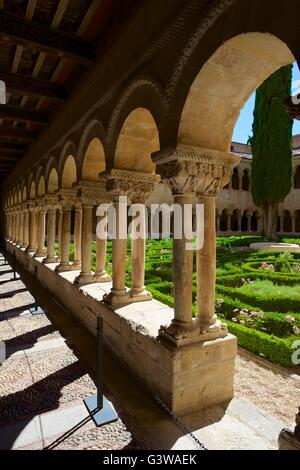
[
  {"x": 59, "y": 230},
  {"x": 51, "y": 202},
  {"x": 21, "y": 227},
  {"x": 134, "y": 185},
  {"x": 137, "y": 291},
  {"x": 293, "y": 223},
  {"x": 100, "y": 274},
  {"x": 26, "y": 228},
  {"x": 249, "y": 217},
  {"x": 86, "y": 276},
  {"x": 239, "y": 218},
  {"x": 203, "y": 172},
  {"x": 41, "y": 223},
  {"x": 32, "y": 247},
  {"x": 77, "y": 237},
  {"x": 281, "y": 216},
  {"x": 18, "y": 227},
  {"x": 206, "y": 268},
  {"x": 228, "y": 215},
  {"x": 66, "y": 200}
]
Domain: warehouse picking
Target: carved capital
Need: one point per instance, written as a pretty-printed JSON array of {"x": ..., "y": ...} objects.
[
  {"x": 51, "y": 202},
  {"x": 91, "y": 193},
  {"x": 135, "y": 185},
  {"x": 66, "y": 198},
  {"x": 196, "y": 170}
]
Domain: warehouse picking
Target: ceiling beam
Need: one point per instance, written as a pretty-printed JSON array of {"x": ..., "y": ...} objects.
[
  {"x": 16, "y": 134},
  {"x": 42, "y": 38},
  {"x": 20, "y": 85},
  {"x": 19, "y": 114}
]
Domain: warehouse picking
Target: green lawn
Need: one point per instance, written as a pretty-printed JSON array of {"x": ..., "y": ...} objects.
[{"x": 257, "y": 293}]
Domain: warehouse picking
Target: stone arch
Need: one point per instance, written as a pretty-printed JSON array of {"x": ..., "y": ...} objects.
[
  {"x": 69, "y": 173},
  {"x": 15, "y": 197},
  {"x": 91, "y": 148},
  {"x": 287, "y": 222},
  {"x": 223, "y": 221},
  {"x": 41, "y": 186},
  {"x": 254, "y": 221},
  {"x": 224, "y": 83},
  {"x": 138, "y": 139},
  {"x": 235, "y": 179},
  {"x": 297, "y": 221},
  {"x": 143, "y": 93},
  {"x": 94, "y": 161},
  {"x": 19, "y": 195},
  {"x": 245, "y": 180},
  {"x": 52, "y": 182},
  {"x": 244, "y": 222}
]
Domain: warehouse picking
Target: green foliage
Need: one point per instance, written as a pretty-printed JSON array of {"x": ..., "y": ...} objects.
[{"x": 272, "y": 140}]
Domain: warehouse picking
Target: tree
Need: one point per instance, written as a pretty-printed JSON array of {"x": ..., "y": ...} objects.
[{"x": 272, "y": 148}]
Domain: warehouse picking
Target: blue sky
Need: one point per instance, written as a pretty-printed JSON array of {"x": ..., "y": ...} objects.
[{"x": 243, "y": 127}]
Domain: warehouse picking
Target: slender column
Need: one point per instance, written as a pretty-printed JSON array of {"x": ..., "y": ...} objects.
[
  {"x": 206, "y": 268},
  {"x": 293, "y": 223},
  {"x": 51, "y": 221},
  {"x": 21, "y": 227},
  {"x": 239, "y": 219},
  {"x": 26, "y": 229},
  {"x": 249, "y": 217},
  {"x": 182, "y": 325},
  {"x": 32, "y": 230},
  {"x": 118, "y": 293},
  {"x": 18, "y": 227},
  {"x": 85, "y": 276},
  {"x": 137, "y": 291},
  {"x": 100, "y": 274},
  {"x": 41, "y": 222},
  {"x": 64, "y": 248},
  {"x": 281, "y": 216},
  {"x": 217, "y": 222},
  {"x": 59, "y": 230},
  {"x": 228, "y": 215},
  {"x": 77, "y": 238}
]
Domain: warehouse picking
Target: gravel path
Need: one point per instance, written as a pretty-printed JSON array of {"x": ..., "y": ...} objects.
[{"x": 269, "y": 387}]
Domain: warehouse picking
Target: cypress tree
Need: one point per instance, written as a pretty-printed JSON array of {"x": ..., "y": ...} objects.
[{"x": 272, "y": 147}]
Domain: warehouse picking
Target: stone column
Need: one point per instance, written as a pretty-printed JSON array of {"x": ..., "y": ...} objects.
[
  {"x": 51, "y": 202},
  {"x": 134, "y": 185},
  {"x": 100, "y": 274},
  {"x": 32, "y": 247},
  {"x": 77, "y": 237},
  {"x": 26, "y": 228},
  {"x": 281, "y": 216},
  {"x": 87, "y": 203},
  {"x": 293, "y": 223},
  {"x": 66, "y": 200},
  {"x": 249, "y": 217},
  {"x": 21, "y": 227},
  {"x": 239, "y": 219},
  {"x": 217, "y": 222},
  {"x": 203, "y": 172},
  {"x": 18, "y": 226},
  {"x": 41, "y": 223},
  {"x": 59, "y": 230},
  {"x": 228, "y": 215}
]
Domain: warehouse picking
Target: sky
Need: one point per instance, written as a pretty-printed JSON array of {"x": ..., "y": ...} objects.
[{"x": 243, "y": 127}]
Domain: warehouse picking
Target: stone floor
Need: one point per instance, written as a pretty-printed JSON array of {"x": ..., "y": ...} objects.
[{"x": 42, "y": 383}]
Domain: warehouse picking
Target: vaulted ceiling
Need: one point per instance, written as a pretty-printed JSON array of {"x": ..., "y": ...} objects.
[{"x": 46, "y": 47}]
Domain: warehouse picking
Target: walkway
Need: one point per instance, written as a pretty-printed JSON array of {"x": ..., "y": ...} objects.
[{"x": 42, "y": 383}]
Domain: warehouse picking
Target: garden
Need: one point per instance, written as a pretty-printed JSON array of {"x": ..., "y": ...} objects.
[{"x": 257, "y": 292}]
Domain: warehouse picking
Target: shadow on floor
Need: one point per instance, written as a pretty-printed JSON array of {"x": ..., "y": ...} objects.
[
  {"x": 11, "y": 293},
  {"x": 19, "y": 408},
  {"x": 26, "y": 340},
  {"x": 14, "y": 312}
]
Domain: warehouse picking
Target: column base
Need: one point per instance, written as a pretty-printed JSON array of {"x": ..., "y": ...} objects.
[
  {"x": 76, "y": 265},
  {"x": 63, "y": 267},
  {"x": 117, "y": 297},
  {"x": 49, "y": 260},
  {"x": 39, "y": 254},
  {"x": 104, "y": 277},
  {"x": 136, "y": 296},
  {"x": 181, "y": 334},
  {"x": 83, "y": 279}
]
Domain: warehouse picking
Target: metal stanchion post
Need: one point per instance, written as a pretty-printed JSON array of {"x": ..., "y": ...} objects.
[{"x": 99, "y": 408}]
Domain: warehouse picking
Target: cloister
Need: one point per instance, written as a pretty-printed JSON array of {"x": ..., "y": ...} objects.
[{"x": 154, "y": 109}]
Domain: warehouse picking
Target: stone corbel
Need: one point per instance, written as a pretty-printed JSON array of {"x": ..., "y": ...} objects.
[
  {"x": 137, "y": 186},
  {"x": 189, "y": 169},
  {"x": 91, "y": 193}
]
